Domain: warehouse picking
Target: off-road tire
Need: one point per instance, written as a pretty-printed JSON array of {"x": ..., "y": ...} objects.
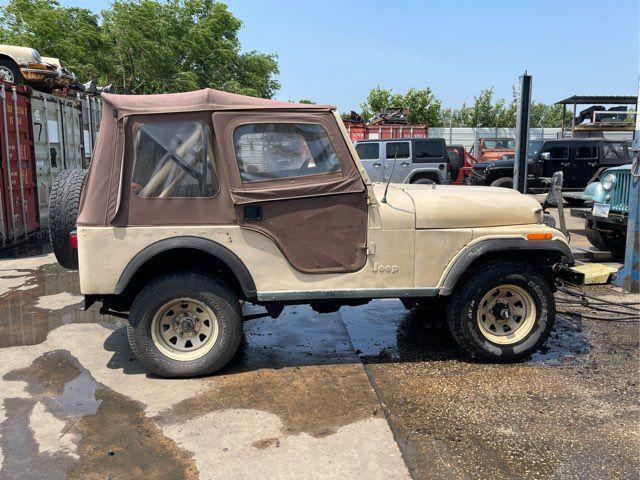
[
  {"x": 64, "y": 202},
  {"x": 18, "y": 79},
  {"x": 504, "y": 182},
  {"x": 608, "y": 243},
  {"x": 199, "y": 286},
  {"x": 464, "y": 302},
  {"x": 425, "y": 181}
]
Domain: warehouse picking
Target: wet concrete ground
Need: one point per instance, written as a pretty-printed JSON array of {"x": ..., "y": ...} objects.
[{"x": 367, "y": 392}]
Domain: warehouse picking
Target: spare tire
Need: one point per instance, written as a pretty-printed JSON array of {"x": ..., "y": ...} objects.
[{"x": 63, "y": 214}]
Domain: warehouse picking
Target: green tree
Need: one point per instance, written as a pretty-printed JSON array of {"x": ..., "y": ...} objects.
[
  {"x": 145, "y": 46},
  {"x": 71, "y": 34},
  {"x": 484, "y": 112},
  {"x": 422, "y": 105}
]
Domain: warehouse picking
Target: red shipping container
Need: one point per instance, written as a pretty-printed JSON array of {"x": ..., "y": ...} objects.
[
  {"x": 18, "y": 188},
  {"x": 358, "y": 131}
]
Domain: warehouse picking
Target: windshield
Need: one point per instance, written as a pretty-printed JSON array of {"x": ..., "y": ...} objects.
[
  {"x": 499, "y": 143},
  {"x": 534, "y": 147}
]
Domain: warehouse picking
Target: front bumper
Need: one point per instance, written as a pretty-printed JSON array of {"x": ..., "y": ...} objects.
[
  {"x": 42, "y": 73},
  {"x": 618, "y": 219}
]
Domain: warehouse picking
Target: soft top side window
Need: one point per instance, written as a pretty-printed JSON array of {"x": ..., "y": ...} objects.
[
  {"x": 557, "y": 152},
  {"x": 173, "y": 159},
  {"x": 267, "y": 151}
]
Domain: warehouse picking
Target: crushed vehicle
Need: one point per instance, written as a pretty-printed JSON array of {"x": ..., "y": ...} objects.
[
  {"x": 579, "y": 159},
  {"x": 24, "y": 65},
  {"x": 406, "y": 160},
  {"x": 196, "y": 202},
  {"x": 494, "y": 148},
  {"x": 606, "y": 220}
]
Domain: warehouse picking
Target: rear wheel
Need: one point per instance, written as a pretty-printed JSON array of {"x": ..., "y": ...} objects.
[
  {"x": 64, "y": 203},
  {"x": 424, "y": 181},
  {"x": 185, "y": 324},
  {"x": 9, "y": 72},
  {"x": 503, "y": 313},
  {"x": 504, "y": 182}
]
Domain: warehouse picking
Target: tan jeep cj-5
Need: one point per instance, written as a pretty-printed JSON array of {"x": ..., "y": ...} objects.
[{"x": 196, "y": 202}]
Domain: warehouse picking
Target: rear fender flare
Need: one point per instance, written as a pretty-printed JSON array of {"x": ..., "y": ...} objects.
[
  {"x": 435, "y": 172},
  {"x": 211, "y": 247}
]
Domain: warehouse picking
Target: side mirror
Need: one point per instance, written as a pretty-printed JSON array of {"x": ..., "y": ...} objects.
[{"x": 545, "y": 156}]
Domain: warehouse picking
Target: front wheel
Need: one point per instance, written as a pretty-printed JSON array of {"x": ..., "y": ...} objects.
[
  {"x": 505, "y": 312},
  {"x": 185, "y": 324}
]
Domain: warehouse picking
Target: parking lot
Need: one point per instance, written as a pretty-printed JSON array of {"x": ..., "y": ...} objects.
[{"x": 374, "y": 391}]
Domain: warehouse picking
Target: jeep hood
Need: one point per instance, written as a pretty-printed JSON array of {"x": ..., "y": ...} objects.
[{"x": 470, "y": 207}]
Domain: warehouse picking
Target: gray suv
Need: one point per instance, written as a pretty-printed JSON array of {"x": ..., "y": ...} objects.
[{"x": 417, "y": 160}]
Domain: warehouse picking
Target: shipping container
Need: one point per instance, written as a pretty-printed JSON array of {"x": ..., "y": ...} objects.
[
  {"x": 91, "y": 116},
  {"x": 18, "y": 198},
  {"x": 58, "y": 142},
  {"x": 358, "y": 131}
]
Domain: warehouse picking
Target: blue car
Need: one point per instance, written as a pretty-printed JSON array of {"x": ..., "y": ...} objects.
[{"x": 606, "y": 220}]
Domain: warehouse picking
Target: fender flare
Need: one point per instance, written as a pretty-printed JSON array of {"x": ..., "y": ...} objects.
[
  {"x": 417, "y": 171},
  {"x": 475, "y": 251},
  {"x": 211, "y": 247}
]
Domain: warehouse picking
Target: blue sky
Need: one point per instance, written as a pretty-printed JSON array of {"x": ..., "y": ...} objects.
[{"x": 335, "y": 51}]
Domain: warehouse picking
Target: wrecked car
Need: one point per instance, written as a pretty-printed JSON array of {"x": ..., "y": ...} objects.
[
  {"x": 24, "y": 65},
  {"x": 494, "y": 148},
  {"x": 197, "y": 202}
]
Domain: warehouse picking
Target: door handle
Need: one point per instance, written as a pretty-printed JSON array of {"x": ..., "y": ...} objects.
[
  {"x": 565, "y": 164},
  {"x": 376, "y": 164},
  {"x": 252, "y": 212},
  {"x": 405, "y": 164}
]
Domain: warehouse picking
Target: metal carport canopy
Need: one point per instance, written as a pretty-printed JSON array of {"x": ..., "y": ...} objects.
[{"x": 599, "y": 99}]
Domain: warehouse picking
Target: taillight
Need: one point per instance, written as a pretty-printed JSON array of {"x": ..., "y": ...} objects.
[{"x": 73, "y": 239}]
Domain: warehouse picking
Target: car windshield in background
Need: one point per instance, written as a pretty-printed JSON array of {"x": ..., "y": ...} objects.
[
  {"x": 500, "y": 143},
  {"x": 534, "y": 147}
]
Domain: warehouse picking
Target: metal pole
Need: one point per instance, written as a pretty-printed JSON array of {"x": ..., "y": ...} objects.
[
  {"x": 522, "y": 134},
  {"x": 19, "y": 149},
  {"x": 629, "y": 277}
]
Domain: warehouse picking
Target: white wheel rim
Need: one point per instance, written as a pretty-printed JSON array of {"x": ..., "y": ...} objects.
[
  {"x": 6, "y": 74},
  {"x": 184, "y": 329},
  {"x": 506, "y": 314}
]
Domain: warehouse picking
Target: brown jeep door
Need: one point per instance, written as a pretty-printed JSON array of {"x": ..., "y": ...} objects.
[{"x": 292, "y": 178}]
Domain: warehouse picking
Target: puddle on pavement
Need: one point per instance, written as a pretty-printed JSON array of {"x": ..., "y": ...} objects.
[
  {"x": 114, "y": 438},
  {"x": 23, "y": 323},
  {"x": 300, "y": 367}
]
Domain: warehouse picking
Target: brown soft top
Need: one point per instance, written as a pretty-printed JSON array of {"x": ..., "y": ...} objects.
[{"x": 206, "y": 99}]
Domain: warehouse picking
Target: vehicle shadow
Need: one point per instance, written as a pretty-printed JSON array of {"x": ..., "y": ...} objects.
[{"x": 301, "y": 337}]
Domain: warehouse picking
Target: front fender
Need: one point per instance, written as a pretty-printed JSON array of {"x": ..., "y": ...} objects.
[{"x": 506, "y": 245}]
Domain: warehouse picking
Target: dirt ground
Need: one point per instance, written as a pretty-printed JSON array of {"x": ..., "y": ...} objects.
[{"x": 375, "y": 392}]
